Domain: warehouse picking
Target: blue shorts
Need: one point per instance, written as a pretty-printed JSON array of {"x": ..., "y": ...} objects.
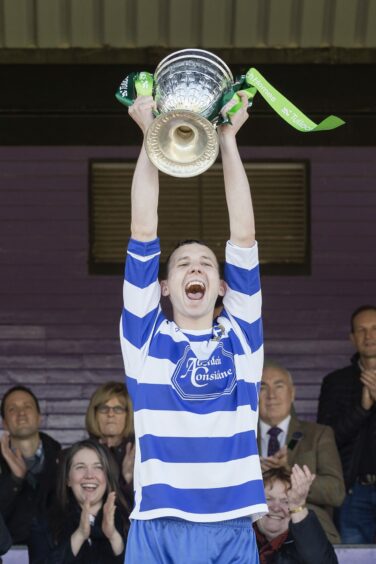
[{"x": 175, "y": 541}]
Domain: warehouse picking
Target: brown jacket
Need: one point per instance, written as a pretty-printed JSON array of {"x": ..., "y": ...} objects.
[{"x": 316, "y": 448}]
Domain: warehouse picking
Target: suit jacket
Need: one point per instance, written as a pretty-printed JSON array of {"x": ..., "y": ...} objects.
[{"x": 316, "y": 448}]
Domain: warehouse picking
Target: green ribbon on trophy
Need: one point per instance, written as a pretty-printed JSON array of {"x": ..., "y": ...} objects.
[
  {"x": 141, "y": 84},
  {"x": 254, "y": 82}
]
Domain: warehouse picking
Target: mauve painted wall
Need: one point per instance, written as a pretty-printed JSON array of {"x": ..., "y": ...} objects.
[{"x": 59, "y": 325}]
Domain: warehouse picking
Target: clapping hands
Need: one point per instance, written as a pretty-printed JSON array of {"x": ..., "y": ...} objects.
[
  {"x": 276, "y": 461},
  {"x": 301, "y": 480},
  {"x": 14, "y": 459}
]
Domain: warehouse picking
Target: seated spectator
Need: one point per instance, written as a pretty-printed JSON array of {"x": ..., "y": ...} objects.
[
  {"x": 89, "y": 521},
  {"x": 348, "y": 404},
  {"x": 109, "y": 420},
  {"x": 28, "y": 466},
  {"x": 290, "y": 533},
  {"x": 285, "y": 440},
  {"x": 5, "y": 538}
]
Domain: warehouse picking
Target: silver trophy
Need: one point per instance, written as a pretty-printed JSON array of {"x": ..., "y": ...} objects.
[{"x": 189, "y": 88}]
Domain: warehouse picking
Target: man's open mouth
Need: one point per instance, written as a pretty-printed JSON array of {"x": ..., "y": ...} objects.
[{"x": 195, "y": 290}]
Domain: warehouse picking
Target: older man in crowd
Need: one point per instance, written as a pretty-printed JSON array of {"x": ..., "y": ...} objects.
[
  {"x": 284, "y": 440},
  {"x": 348, "y": 403},
  {"x": 28, "y": 463}
]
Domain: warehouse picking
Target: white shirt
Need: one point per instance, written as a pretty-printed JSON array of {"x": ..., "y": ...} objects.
[{"x": 264, "y": 428}]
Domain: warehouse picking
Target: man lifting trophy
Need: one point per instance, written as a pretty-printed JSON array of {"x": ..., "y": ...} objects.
[{"x": 194, "y": 381}]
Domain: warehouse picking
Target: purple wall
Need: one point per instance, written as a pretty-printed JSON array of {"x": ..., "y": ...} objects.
[{"x": 59, "y": 325}]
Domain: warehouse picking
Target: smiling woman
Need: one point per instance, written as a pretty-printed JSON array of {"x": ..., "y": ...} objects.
[
  {"x": 289, "y": 533},
  {"x": 109, "y": 420},
  {"x": 89, "y": 522}
]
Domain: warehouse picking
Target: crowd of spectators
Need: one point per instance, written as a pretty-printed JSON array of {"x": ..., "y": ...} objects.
[{"x": 73, "y": 505}]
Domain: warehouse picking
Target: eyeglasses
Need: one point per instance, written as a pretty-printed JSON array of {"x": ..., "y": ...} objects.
[{"x": 105, "y": 409}]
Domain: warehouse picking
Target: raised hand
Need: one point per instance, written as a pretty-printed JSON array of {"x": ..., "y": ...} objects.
[
  {"x": 108, "y": 525},
  {"x": 368, "y": 379},
  {"x": 237, "y": 119},
  {"x": 141, "y": 112},
  {"x": 84, "y": 525},
  {"x": 82, "y": 533},
  {"x": 301, "y": 480},
  {"x": 14, "y": 459},
  {"x": 128, "y": 462}
]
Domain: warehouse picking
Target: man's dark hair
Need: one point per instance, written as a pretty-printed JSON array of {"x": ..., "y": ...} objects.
[
  {"x": 17, "y": 389},
  {"x": 164, "y": 269},
  {"x": 360, "y": 309}
]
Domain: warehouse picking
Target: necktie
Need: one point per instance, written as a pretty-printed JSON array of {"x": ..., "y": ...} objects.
[{"x": 273, "y": 444}]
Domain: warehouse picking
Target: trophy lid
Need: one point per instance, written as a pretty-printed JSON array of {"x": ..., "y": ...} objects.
[
  {"x": 200, "y": 54},
  {"x": 193, "y": 80}
]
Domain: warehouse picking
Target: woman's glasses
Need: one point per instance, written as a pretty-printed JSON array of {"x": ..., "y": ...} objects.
[{"x": 106, "y": 409}]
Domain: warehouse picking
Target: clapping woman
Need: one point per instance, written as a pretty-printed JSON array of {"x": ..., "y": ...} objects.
[{"x": 89, "y": 523}]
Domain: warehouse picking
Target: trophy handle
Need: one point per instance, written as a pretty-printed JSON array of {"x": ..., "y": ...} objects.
[{"x": 135, "y": 84}]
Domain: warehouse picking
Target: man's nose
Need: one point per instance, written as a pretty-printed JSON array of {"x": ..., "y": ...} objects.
[{"x": 196, "y": 268}]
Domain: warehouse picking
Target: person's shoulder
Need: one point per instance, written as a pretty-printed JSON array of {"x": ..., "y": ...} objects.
[
  {"x": 313, "y": 428},
  {"x": 49, "y": 442},
  {"x": 338, "y": 375}
]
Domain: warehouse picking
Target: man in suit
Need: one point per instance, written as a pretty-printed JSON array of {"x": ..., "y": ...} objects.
[{"x": 284, "y": 440}]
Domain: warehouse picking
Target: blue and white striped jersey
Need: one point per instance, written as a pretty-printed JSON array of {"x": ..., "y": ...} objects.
[{"x": 195, "y": 395}]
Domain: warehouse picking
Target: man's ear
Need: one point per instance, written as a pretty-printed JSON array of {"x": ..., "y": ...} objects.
[
  {"x": 164, "y": 288},
  {"x": 222, "y": 288},
  {"x": 351, "y": 336},
  {"x": 293, "y": 393}
]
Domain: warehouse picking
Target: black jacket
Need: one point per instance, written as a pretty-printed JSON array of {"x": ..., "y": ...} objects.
[
  {"x": 5, "y": 538},
  {"x": 306, "y": 543},
  {"x": 20, "y": 503},
  {"x": 340, "y": 407},
  {"x": 96, "y": 550}
]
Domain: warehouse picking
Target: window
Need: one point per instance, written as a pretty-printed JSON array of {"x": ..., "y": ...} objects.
[{"x": 196, "y": 208}]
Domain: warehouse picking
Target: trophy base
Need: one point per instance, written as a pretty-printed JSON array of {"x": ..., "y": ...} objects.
[{"x": 182, "y": 143}]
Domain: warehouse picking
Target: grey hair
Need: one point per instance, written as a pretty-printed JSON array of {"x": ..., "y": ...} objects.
[{"x": 270, "y": 363}]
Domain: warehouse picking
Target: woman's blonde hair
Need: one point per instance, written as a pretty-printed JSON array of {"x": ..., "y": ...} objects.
[{"x": 101, "y": 396}]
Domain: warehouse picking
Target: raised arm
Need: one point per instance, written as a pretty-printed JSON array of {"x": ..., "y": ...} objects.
[
  {"x": 238, "y": 194},
  {"x": 145, "y": 185}
]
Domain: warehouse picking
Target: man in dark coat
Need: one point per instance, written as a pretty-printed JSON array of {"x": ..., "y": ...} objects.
[
  {"x": 28, "y": 463},
  {"x": 348, "y": 404}
]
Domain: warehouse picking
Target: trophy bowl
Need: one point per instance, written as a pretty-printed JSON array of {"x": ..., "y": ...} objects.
[{"x": 189, "y": 87}]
